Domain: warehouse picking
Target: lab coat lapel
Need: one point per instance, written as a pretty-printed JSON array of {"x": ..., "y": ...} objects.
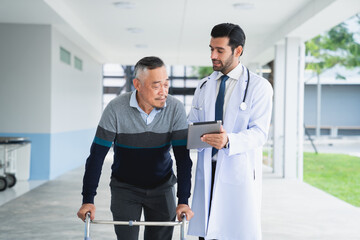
[
  {"x": 210, "y": 97},
  {"x": 235, "y": 100}
]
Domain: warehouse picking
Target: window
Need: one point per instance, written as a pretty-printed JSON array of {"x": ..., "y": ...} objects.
[
  {"x": 65, "y": 56},
  {"x": 78, "y": 64}
]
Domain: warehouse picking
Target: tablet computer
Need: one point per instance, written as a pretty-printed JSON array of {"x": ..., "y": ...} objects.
[{"x": 196, "y": 130}]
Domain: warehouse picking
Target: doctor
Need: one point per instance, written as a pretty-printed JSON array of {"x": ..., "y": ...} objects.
[{"x": 227, "y": 192}]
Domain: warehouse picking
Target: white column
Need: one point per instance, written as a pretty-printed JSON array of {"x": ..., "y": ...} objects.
[
  {"x": 301, "y": 130},
  {"x": 278, "y": 110},
  {"x": 291, "y": 107}
]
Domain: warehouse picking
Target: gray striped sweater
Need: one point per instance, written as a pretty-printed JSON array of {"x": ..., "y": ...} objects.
[{"x": 141, "y": 152}]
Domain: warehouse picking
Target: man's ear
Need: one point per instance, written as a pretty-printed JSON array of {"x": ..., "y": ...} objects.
[
  {"x": 238, "y": 51},
  {"x": 136, "y": 83}
]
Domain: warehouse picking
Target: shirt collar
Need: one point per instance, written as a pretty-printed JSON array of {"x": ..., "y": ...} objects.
[
  {"x": 134, "y": 103},
  {"x": 233, "y": 74}
]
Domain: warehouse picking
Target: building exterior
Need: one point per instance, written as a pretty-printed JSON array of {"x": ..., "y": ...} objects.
[{"x": 340, "y": 103}]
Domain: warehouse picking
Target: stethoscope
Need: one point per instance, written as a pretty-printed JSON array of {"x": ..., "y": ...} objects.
[{"x": 243, "y": 105}]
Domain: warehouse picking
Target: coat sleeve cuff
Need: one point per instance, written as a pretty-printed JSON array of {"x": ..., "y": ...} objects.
[
  {"x": 88, "y": 199},
  {"x": 230, "y": 150},
  {"x": 183, "y": 201}
]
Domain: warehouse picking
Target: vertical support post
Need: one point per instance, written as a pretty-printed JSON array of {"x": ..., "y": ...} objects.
[
  {"x": 278, "y": 110},
  {"x": 129, "y": 72},
  {"x": 291, "y": 107},
  {"x": 300, "y": 117}
]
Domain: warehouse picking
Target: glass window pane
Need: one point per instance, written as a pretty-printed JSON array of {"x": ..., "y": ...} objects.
[
  {"x": 113, "y": 70},
  {"x": 78, "y": 64},
  {"x": 192, "y": 83},
  {"x": 177, "y": 83},
  {"x": 65, "y": 56},
  {"x": 178, "y": 70},
  {"x": 114, "y": 82}
]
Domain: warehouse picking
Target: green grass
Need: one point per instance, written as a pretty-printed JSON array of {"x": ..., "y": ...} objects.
[{"x": 337, "y": 174}]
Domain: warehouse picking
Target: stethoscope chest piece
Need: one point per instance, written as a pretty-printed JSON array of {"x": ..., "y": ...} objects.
[{"x": 243, "y": 106}]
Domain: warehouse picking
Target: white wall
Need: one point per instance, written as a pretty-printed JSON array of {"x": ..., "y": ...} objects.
[
  {"x": 76, "y": 96},
  {"x": 25, "y": 78},
  {"x": 76, "y": 105},
  {"x": 53, "y": 104}
]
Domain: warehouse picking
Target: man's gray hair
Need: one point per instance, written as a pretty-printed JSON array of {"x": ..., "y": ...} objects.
[{"x": 147, "y": 63}]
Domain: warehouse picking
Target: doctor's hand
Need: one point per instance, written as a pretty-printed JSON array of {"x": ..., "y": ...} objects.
[
  {"x": 217, "y": 140},
  {"x": 184, "y": 208}
]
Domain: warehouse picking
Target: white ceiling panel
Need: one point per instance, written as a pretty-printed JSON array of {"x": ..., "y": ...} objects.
[{"x": 177, "y": 30}]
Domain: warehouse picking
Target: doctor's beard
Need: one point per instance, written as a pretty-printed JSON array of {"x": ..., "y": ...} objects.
[{"x": 222, "y": 67}]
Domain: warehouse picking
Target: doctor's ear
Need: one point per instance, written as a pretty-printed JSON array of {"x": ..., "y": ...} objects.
[{"x": 238, "y": 51}]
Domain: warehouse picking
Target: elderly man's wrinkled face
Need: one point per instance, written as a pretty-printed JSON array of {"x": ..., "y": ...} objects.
[{"x": 152, "y": 88}]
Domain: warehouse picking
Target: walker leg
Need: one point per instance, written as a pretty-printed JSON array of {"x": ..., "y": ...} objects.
[
  {"x": 183, "y": 228},
  {"x": 87, "y": 226}
]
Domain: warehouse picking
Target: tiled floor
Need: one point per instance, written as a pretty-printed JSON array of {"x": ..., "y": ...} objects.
[
  {"x": 20, "y": 188},
  {"x": 292, "y": 210}
]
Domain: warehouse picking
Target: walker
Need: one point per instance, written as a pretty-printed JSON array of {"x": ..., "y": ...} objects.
[{"x": 130, "y": 223}]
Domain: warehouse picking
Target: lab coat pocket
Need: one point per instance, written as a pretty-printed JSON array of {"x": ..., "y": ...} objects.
[
  {"x": 242, "y": 121},
  {"x": 234, "y": 169},
  {"x": 198, "y": 110}
]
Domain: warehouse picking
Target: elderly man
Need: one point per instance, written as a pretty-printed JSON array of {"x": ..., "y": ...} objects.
[{"x": 143, "y": 125}]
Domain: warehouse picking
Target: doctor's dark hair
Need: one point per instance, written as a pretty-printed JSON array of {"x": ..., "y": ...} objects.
[
  {"x": 147, "y": 63},
  {"x": 234, "y": 32}
]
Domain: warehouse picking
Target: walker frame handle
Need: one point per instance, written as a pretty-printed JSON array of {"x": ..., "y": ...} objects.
[{"x": 137, "y": 223}]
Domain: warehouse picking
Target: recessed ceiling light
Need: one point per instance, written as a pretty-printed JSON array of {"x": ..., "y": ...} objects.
[
  {"x": 124, "y": 5},
  {"x": 243, "y": 5},
  {"x": 135, "y": 30},
  {"x": 141, "y": 46}
]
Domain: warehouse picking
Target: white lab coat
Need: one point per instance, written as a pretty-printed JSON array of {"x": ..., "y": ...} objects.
[{"x": 236, "y": 202}]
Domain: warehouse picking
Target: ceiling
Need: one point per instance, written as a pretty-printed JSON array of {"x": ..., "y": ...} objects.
[{"x": 178, "y": 31}]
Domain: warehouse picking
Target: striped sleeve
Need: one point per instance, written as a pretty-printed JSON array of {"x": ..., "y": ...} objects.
[
  {"x": 179, "y": 131},
  {"x": 182, "y": 155},
  {"x": 104, "y": 137}
]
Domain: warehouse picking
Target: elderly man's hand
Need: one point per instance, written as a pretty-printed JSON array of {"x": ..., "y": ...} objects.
[
  {"x": 184, "y": 208},
  {"x": 85, "y": 208}
]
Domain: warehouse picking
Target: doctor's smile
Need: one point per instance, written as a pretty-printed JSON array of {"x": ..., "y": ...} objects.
[{"x": 216, "y": 62}]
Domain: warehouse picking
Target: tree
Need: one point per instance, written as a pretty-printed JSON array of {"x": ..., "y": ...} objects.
[
  {"x": 202, "y": 72},
  {"x": 335, "y": 47}
]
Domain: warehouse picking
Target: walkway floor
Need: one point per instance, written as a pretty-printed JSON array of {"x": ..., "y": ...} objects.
[{"x": 292, "y": 210}]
